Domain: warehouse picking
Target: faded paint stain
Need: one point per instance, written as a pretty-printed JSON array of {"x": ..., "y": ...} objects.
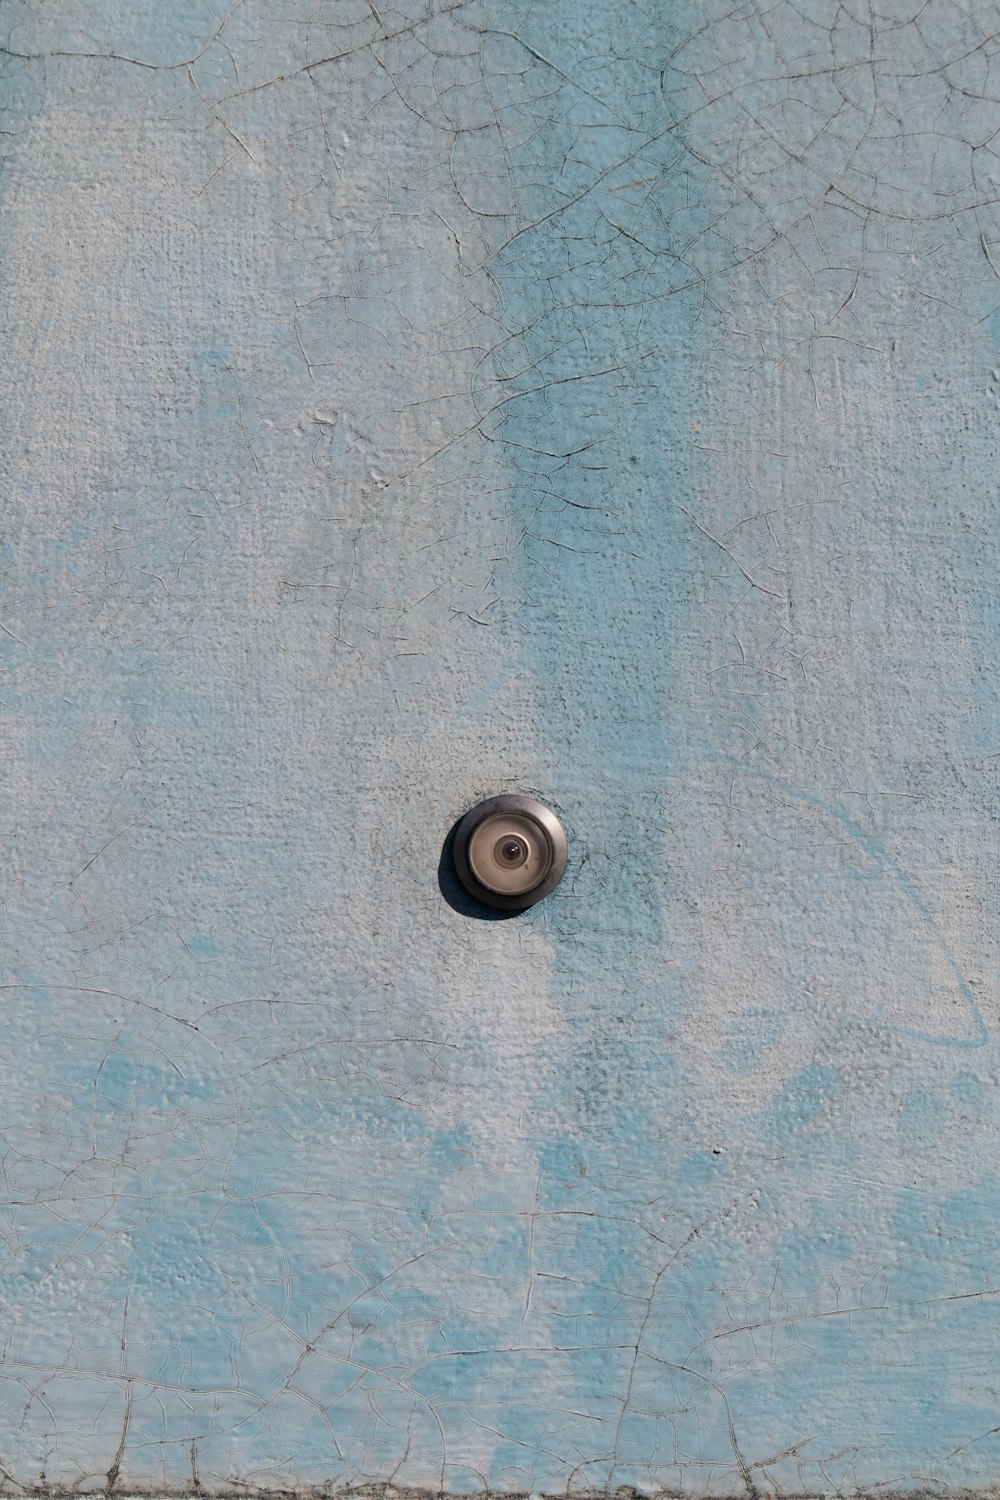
[{"x": 409, "y": 402}]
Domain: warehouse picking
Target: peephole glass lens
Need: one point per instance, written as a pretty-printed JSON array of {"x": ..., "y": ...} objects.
[{"x": 510, "y": 853}]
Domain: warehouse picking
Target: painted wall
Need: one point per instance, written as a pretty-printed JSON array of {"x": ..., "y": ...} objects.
[{"x": 407, "y": 401}]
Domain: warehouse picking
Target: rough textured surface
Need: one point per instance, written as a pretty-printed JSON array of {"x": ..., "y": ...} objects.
[{"x": 410, "y": 401}]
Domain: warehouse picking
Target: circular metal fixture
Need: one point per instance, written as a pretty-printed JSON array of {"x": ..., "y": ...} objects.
[{"x": 510, "y": 852}]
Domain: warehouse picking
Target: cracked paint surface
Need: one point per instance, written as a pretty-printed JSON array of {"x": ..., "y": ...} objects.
[{"x": 413, "y": 401}]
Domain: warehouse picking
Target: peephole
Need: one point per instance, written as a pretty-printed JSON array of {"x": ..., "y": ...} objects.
[{"x": 510, "y": 852}]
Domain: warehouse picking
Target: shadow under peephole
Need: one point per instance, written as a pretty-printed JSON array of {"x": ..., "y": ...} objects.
[{"x": 454, "y": 891}]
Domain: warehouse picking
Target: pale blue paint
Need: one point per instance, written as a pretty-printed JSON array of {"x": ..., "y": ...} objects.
[{"x": 683, "y": 1178}]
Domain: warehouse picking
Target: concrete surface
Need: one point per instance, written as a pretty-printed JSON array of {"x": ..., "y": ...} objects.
[{"x": 408, "y": 401}]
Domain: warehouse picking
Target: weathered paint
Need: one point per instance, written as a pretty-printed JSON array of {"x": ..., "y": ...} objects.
[{"x": 408, "y": 402}]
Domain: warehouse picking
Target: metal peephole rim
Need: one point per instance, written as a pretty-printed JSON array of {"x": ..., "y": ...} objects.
[{"x": 510, "y": 851}]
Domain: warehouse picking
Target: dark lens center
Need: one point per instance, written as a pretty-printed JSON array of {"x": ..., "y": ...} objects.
[{"x": 512, "y": 851}]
